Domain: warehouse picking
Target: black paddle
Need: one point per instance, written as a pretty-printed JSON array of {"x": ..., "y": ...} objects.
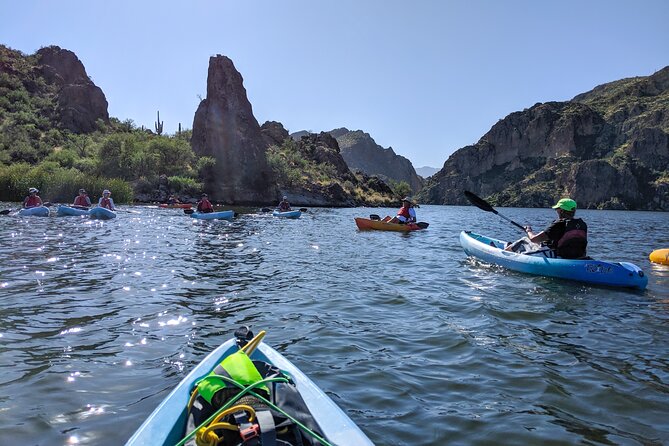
[
  {"x": 5, "y": 211},
  {"x": 303, "y": 209},
  {"x": 482, "y": 204},
  {"x": 188, "y": 211},
  {"x": 266, "y": 210}
]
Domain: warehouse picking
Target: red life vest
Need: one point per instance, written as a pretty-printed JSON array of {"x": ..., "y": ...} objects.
[
  {"x": 204, "y": 206},
  {"x": 81, "y": 201},
  {"x": 574, "y": 241},
  {"x": 105, "y": 203},
  {"x": 32, "y": 201},
  {"x": 404, "y": 212}
]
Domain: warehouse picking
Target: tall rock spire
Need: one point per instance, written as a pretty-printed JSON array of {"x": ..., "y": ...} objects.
[{"x": 224, "y": 128}]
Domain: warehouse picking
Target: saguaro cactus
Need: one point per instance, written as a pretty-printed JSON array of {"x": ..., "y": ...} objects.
[{"x": 159, "y": 125}]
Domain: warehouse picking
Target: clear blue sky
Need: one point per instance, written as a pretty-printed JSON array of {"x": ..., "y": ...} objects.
[{"x": 425, "y": 77}]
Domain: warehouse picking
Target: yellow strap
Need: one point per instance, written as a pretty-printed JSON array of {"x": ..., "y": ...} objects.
[
  {"x": 253, "y": 343},
  {"x": 206, "y": 436}
]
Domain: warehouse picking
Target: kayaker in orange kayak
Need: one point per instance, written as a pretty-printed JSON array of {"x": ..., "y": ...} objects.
[
  {"x": 204, "y": 206},
  {"x": 406, "y": 214},
  {"x": 173, "y": 200}
]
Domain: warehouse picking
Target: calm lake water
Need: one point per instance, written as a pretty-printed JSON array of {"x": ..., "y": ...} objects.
[{"x": 417, "y": 343}]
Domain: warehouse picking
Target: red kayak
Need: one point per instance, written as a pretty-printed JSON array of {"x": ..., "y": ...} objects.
[
  {"x": 380, "y": 225},
  {"x": 176, "y": 206}
]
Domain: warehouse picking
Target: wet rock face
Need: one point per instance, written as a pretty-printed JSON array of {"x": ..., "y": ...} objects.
[
  {"x": 224, "y": 128},
  {"x": 80, "y": 102}
]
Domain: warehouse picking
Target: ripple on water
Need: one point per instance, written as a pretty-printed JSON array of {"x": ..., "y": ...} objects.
[{"x": 416, "y": 342}]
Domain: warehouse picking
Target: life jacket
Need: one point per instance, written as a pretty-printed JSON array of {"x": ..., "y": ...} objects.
[
  {"x": 32, "y": 201},
  {"x": 204, "y": 206},
  {"x": 574, "y": 241},
  {"x": 284, "y": 206},
  {"x": 105, "y": 203},
  {"x": 404, "y": 212},
  {"x": 81, "y": 201}
]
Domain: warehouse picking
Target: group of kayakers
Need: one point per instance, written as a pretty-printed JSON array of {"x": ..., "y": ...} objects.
[
  {"x": 566, "y": 237},
  {"x": 81, "y": 201},
  {"x": 204, "y": 205}
]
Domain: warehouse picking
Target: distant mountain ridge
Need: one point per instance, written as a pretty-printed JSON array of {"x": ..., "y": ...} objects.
[
  {"x": 426, "y": 171},
  {"x": 362, "y": 153},
  {"x": 607, "y": 148}
]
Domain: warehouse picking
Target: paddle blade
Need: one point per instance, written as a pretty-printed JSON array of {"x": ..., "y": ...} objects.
[
  {"x": 479, "y": 202},
  {"x": 422, "y": 225},
  {"x": 188, "y": 211},
  {"x": 303, "y": 209},
  {"x": 5, "y": 211},
  {"x": 266, "y": 210}
]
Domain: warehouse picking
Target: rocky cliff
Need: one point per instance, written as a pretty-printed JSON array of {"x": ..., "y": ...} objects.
[
  {"x": 607, "y": 148},
  {"x": 56, "y": 79},
  {"x": 362, "y": 153},
  {"x": 312, "y": 172},
  {"x": 224, "y": 128}
]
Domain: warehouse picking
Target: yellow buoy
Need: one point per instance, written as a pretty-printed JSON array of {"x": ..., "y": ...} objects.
[{"x": 660, "y": 256}]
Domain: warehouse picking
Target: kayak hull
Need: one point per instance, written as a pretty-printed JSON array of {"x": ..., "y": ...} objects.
[
  {"x": 660, "y": 256},
  {"x": 176, "y": 206},
  {"x": 380, "y": 225},
  {"x": 166, "y": 425},
  {"x": 67, "y": 211},
  {"x": 222, "y": 215},
  {"x": 287, "y": 214},
  {"x": 101, "y": 213},
  {"x": 614, "y": 274},
  {"x": 38, "y": 211}
]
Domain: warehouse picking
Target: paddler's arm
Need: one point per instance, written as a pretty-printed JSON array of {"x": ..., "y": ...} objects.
[{"x": 537, "y": 238}]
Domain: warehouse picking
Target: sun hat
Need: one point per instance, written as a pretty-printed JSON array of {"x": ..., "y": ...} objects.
[
  {"x": 566, "y": 204},
  {"x": 106, "y": 191},
  {"x": 407, "y": 199},
  {"x": 205, "y": 195},
  {"x": 32, "y": 190},
  {"x": 82, "y": 190},
  {"x": 285, "y": 198}
]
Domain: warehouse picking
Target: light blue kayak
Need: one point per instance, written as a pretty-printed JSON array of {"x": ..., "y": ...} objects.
[
  {"x": 614, "y": 274},
  {"x": 287, "y": 214},
  {"x": 38, "y": 211},
  {"x": 166, "y": 425},
  {"x": 101, "y": 213},
  {"x": 66, "y": 211},
  {"x": 222, "y": 215}
]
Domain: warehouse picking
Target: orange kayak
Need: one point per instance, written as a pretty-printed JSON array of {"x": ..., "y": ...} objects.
[
  {"x": 380, "y": 225},
  {"x": 660, "y": 256},
  {"x": 176, "y": 206}
]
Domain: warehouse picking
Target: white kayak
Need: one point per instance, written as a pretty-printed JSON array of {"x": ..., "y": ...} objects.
[{"x": 167, "y": 424}]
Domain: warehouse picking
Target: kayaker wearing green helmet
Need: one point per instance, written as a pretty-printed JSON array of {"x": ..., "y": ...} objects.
[{"x": 567, "y": 236}]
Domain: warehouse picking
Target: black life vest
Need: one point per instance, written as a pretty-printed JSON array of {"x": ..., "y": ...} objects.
[{"x": 574, "y": 241}]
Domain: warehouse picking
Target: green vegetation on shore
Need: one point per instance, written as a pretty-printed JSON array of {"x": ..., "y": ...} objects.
[{"x": 36, "y": 151}]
